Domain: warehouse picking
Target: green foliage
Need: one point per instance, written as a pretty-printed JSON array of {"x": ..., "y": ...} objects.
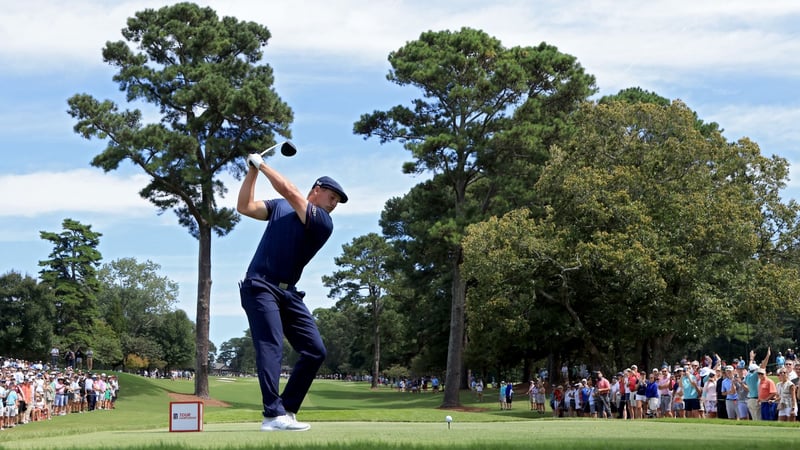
[
  {"x": 133, "y": 295},
  {"x": 175, "y": 333},
  {"x": 71, "y": 273},
  {"x": 106, "y": 345},
  {"x": 26, "y": 316},
  {"x": 651, "y": 229},
  {"x": 483, "y": 108}
]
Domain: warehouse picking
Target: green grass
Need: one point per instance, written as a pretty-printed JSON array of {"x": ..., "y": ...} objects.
[{"x": 351, "y": 416}]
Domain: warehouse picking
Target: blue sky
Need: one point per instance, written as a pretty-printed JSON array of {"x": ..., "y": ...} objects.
[{"x": 734, "y": 62}]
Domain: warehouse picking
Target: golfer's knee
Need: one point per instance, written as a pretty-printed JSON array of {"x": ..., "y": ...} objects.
[{"x": 319, "y": 353}]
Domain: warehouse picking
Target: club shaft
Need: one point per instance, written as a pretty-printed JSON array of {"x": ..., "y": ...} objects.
[{"x": 274, "y": 146}]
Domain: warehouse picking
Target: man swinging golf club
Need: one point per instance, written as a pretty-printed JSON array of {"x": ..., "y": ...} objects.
[{"x": 297, "y": 227}]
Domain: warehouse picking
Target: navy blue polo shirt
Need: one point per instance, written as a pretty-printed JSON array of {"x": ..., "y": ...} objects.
[{"x": 287, "y": 244}]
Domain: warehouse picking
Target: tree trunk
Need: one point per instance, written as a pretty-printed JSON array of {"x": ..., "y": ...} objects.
[
  {"x": 377, "y": 355},
  {"x": 452, "y": 382},
  {"x": 203, "y": 311}
]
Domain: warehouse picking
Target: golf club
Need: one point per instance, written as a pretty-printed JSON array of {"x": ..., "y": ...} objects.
[{"x": 287, "y": 149}]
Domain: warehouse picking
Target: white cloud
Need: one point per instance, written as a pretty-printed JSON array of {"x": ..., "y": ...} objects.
[
  {"x": 81, "y": 190},
  {"x": 611, "y": 38}
]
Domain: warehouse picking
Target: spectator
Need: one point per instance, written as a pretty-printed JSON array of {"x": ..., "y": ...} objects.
[
  {"x": 509, "y": 394},
  {"x": 641, "y": 394},
  {"x": 722, "y": 411},
  {"x": 91, "y": 397},
  {"x": 790, "y": 374},
  {"x": 767, "y": 394},
  {"x": 556, "y": 400},
  {"x": 651, "y": 394},
  {"x": 742, "y": 391},
  {"x": 502, "y": 396},
  {"x": 729, "y": 393},
  {"x": 632, "y": 381},
  {"x": 69, "y": 357},
  {"x": 779, "y": 361},
  {"x": 664, "y": 383},
  {"x": 622, "y": 396},
  {"x": 60, "y": 405},
  {"x": 89, "y": 359},
  {"x": 54, "y": 357},
  {"x": 787, "y": 397},
  {"x": 79, "y": 358},
  {"x": 540, "y": 396},
  {"x": 603, "y": 395},
  {"x": 10, "y": 419},
  {"x": 479, "y": 390},
  {"x": 710, "y": 395},
  {"x": 532, "y": 390},
  {"x": 691, "y": 394},
  {"x": 678, "y": 405}
]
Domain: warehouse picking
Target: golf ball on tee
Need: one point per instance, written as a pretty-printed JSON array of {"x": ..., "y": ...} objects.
[{"x": 448, "y": 419}]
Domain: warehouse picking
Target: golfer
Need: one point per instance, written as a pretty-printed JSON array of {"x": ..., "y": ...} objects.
[{"x": 297, "y": 227}]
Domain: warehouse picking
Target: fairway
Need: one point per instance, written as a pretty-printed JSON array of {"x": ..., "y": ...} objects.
[{"x": 350, "y": 415}]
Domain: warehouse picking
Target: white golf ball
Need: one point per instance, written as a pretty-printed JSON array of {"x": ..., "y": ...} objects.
[{"x": 448, "y": 419}]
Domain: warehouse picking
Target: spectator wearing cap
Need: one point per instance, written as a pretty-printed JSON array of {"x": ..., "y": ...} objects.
[
  {"x": 710, "y": 393},
  {"x": 767, "y": 394},
  {"x": 730, "y": 393},
  {"x": 556, "y": 400},
  {"x": 632, "y": 382},
  {"x": 60, "y": 405},
  {"x": 753, "y": 380}
]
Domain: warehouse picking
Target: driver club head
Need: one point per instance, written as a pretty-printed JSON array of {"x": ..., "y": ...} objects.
[{"x": 288, "y": 149}]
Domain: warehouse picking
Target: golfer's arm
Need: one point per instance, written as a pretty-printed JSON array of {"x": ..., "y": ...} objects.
[
  {"x": 246, "y": 203},
  {"x": 287, "y": 190}
]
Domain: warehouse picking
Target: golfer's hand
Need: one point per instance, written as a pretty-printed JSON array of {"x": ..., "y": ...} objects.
[{"x": 255, "y": 160}]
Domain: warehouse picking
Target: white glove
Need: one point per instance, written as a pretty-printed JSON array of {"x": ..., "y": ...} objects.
[{"x": 255, "y": 160}]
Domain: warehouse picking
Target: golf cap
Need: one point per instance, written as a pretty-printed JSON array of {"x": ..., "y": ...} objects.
[
  {"x": 762, "y": 371},
  {"x": 330, "y": 183},
  {"x": 753, "y": 367},
  {"x": 729, "y": 368}
]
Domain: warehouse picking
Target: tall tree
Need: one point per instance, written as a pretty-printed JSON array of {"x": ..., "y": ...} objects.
[
  {"x": 175, "y": 334},
  {"x": 239, "y": 354},
  {"x": 26, "y": 316},
  {"x": 134, "y": 295},
  {"x": 217, "y": 104},
  {"x": 484, "y": 107},
  {"x": 71, "y": 271},
  {"x": 364, "y": 280}
]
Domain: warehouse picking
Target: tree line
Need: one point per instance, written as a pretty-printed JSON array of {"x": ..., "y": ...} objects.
[{"x": 123, "y": 310}]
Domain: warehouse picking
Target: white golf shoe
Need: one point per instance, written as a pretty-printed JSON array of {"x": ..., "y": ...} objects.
[{"x": 287, "y": 422}]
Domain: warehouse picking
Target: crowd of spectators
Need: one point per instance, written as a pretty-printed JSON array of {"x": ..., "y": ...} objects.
[
  {"x": 705, "y": 388},
  {"x": 31, "y": 392}
]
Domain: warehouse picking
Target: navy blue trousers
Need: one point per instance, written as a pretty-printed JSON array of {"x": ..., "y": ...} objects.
[{"x": 274, "y": 313}]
